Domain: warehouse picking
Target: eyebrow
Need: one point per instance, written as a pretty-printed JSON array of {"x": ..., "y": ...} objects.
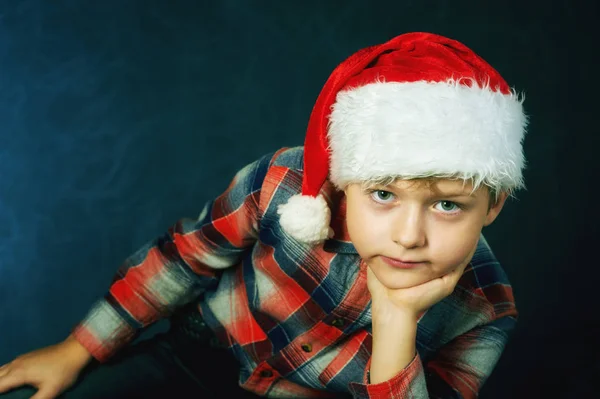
[
  {"x": 452, "y": 195},
  {"x": 434, "y": 193}
]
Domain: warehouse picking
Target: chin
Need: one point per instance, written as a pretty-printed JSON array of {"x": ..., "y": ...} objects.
[
  {"x": 403, "y": 279},
  {"x": 404, "y": 285}
]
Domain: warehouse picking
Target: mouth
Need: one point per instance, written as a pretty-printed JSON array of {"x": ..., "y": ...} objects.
[{"x": 401, "y": 264}]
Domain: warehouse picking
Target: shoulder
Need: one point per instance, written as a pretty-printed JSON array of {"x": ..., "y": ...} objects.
[
  {"x": 482, "y": 297},
  {"x": 284, "y": 172},
  {"x": 279, "y": 176},
  {"x": 255, "y": 174},
  {"x": 292, "y": 158},
  {"x": 486, "y": 278},
  {"x": 287, "y": 158}
]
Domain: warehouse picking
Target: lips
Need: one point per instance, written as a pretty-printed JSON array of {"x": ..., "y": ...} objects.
[{"x": 401, "y": 264}]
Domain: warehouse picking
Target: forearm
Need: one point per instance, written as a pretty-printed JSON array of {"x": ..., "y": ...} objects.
[{"x": 394, "y": 347}]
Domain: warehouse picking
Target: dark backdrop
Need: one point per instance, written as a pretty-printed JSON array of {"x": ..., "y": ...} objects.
[{"x": 119, "y": 117}]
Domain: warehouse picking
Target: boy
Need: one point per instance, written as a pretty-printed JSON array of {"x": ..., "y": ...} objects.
[{"x": 354, "y": 266}]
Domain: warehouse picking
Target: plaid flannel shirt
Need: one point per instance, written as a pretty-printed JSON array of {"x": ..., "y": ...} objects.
[{"x": 297, "y": 317}]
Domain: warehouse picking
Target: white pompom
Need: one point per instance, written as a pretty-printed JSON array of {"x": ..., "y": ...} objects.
[{"x": 306, "y": 218}]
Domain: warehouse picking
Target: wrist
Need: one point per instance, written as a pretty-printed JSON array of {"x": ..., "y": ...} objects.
[
  {"x": 393, "y": 347},
  {"x": 395, "y": 317},
  {"x": 76, "y": 351},
  {"x": 387, "y": 334}
]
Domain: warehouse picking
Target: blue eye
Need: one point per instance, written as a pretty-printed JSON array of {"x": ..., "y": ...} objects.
[
  {"x": 382, "y": 196},
  {"x": 448, "y": 207}
]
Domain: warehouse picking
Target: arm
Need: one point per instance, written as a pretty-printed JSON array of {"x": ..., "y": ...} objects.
[
  {"x": 458, "y": 370},
  {"x": 176, "y": 268},
  {"x": 394, "y": 347}
]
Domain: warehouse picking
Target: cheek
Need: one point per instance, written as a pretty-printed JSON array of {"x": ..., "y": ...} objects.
[
  {"x": 364, "y": 229},
  {"x": 452, "y": 248}
]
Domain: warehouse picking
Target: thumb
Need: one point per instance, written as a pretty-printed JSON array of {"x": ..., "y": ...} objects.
[
  {"x": 46, "y": 392},
  {"x": 11, "y": 381},
  {"x": 375, "y": 287}
]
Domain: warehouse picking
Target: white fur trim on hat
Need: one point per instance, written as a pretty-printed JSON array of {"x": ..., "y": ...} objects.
[
  {"x": 425, "y": 129},
  {"x": 306, "y": 218}
]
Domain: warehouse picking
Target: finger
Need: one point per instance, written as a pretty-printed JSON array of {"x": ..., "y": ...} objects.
[
  {"x": 4, "y": 370},
  {"x": 10, "y": 381},
  {"x": 46, "y": 392},
  {"x": 372, "y": 279},
  {"x": 455, "y": 275},
  {"x": 449, "y": 281},
  {"x": 438, "y": 288}
]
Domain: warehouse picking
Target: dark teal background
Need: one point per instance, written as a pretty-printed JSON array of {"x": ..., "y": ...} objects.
[{"x": 119, "y": 117}]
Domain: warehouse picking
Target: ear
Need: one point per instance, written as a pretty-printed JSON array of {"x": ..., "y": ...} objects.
[{"x": 495, "y": 209}]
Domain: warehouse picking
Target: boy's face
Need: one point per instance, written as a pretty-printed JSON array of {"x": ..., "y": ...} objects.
[{"x": 437, "y": 225}]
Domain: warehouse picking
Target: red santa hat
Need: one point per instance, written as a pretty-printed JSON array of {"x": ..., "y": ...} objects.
[{"x": 419, "y": 105}]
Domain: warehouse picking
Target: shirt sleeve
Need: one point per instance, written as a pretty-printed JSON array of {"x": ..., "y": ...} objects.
[
  {"x": 458, "y": 370},
  {"x": 176, "y": 268}
]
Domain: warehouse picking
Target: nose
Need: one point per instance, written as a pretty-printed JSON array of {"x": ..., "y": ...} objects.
[{"x": 408, "y": 229}]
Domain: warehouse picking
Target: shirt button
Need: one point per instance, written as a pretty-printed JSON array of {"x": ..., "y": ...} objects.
[
  {"x": 306, "y": 347},
  {"x": 338, "y": 323},
  {"x": 266, "y": 373}
]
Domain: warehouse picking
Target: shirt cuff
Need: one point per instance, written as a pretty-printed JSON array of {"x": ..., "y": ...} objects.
[
  {"x": 408, "y": 383},
  {"x": 103, "y": 331}
]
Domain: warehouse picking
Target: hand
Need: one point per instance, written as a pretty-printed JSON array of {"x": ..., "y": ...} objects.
[
  {"x": 52, "y": 370},
  {"x": 388, "y": 304}
]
